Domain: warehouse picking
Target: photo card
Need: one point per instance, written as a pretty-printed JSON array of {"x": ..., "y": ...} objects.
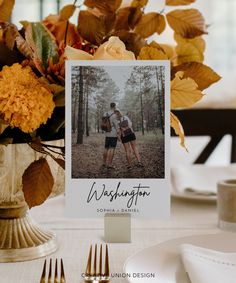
[{"x": 117, "y": 138}]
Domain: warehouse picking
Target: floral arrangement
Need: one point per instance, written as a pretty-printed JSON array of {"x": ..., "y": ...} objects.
[{"x": 32, "y": 63}]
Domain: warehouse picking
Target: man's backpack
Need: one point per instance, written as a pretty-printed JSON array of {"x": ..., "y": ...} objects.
[{"x": 106, "y": 124}]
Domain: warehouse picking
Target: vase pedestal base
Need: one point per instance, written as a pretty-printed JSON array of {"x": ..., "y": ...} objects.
[{"x": 21, "y": 238}]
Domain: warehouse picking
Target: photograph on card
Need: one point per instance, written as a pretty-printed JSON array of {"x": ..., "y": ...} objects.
[{"x": 118, "y": 121}]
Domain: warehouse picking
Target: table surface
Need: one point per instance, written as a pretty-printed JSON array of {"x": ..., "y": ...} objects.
[{"x": 76, "y": 235}]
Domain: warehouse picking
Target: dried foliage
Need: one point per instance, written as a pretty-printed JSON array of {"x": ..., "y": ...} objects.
[{"x": 41, "y": 46}]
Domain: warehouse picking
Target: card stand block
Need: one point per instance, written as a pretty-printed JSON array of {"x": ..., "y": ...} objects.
[{"x": 117, "y": 227}]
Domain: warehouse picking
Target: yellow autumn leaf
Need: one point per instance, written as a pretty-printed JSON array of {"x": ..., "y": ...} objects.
[
  {"x": 6, "y": 7},
  {"x": 151, "y": 53},
  {"x": 189, "y": 23},
  {"x": 176, "y": 125},
  {"x": 150, "y": 23},
  {"x": 139, "y": 3},
  {"x": 198, "y": 41},
  {"x": 203, "y": 75},
  {"x": 184, "y": 91},
  {"x": 187, "y": 52},
  {"x": 167, "y": 49},
  {"x": 66, "y": 12},
  {"x": 179, "y": 2}
]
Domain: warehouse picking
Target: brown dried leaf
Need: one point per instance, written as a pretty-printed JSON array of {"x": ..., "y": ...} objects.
[
  {"x": 127, "y": 18},
  {"x": 179, "y": 2},
  {"x": 6, "y": 7},
  {"x": 132, "y": 41},
  {"x": 188, "y": 23},
  {"x": 203, "y": 75},
  {"x": 37, "y": 182},
  {"x": 108, "y": 21},
  {"x": 152, "y": 53},
  {"x": 105, "y": 6},
  {"x": 150, "y": 23},
  {"x": 168, "y": 50},
  {"x": 91, "y": 27},
  {"x": 198, "y": 41},
  {"x": 187, "y": 52},
  {"x": 139, "y": 3},
  {"x": 176, "y": 125},
  {"x": 66, "y": 12},
  {"x": 184, "y": 92}
]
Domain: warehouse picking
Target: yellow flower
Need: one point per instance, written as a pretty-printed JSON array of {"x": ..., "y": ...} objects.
[{"x": 24, "y": 102}]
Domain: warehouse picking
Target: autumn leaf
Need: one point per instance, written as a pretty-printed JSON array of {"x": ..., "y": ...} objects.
[
  {"x": 139, "y": 3},
  {"x": 37, "y": 182},
  {"x": 203, "y": 75},
  {"x": 6, "y": 7},
  {"x": 91, "y": 27},
  {"x": 166, "y": 48},
  {"x": 176, "y": 125},
  {"x": 187, "y": 52},
  {"x": 66, "y": 12},
  {"x": 132, "y": 41},
  {"x": 127, "y": 18},
  {"x": 152, "y": 53},
  {"x": 150, "y": 23},
  {"x": 58, "y": 29},
  {"x": 198, "y": 42},
  {"x": 179, "y": 2},
  {"x": 42, "y": 44},
  {"x": 105, "y": 6},
  {"x": 184, "y": 92},
  {"x": 188, "y": 23}
]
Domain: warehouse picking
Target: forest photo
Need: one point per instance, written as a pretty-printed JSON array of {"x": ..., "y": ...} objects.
[{"x": 118, "y": 121}]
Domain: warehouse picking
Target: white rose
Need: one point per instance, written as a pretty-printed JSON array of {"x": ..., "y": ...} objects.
[
  {"x": 113, "y": 49},
  {"x": 76, "y": 54}
]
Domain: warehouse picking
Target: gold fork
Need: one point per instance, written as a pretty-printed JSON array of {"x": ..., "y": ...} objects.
[
  {"x": 98, "y": 275},
  {"x": 57, "y": 278}
]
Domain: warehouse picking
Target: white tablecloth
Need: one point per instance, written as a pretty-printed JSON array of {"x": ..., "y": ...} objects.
[{"x": 76, "y": 235}]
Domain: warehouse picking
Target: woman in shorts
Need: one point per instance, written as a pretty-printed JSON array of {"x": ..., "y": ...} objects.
[{"x": 128, "y": 138}]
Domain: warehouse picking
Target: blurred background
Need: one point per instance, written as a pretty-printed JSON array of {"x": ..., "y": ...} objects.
[{"x": 220, "y": 55}]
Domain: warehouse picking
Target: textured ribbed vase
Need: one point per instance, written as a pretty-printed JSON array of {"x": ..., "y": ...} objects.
[{"x": 20, "y": 237}]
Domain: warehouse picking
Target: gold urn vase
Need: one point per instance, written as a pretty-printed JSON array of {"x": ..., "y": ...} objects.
[{"x": 20, "y": 237}]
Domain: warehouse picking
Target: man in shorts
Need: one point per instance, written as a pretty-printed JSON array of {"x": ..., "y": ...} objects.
[{"x": 111, "y": 138}]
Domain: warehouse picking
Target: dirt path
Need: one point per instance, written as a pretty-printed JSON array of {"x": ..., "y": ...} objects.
[{"x": 87, "y": 158}]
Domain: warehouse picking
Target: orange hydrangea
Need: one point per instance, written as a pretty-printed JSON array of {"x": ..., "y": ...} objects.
[{"x": 24, "y": 101}]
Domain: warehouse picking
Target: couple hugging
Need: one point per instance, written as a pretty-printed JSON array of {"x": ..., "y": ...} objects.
[{"x": 118, "y": 127}]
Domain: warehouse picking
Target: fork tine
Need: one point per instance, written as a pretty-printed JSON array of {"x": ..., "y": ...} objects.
[
  {"x": 50, "y": 272},
  {"x": 106, "y": 271},
  {"x": 63, "y": 278},
  {"x": 43, "y": 276},
  {"x": 56, "y": 280},
  {"x": 95, "y": 261},
  {"x": 88, "y": 268},
  {"x": 100, "y": 261}
]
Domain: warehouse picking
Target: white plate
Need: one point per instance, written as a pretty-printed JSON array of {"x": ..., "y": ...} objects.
[
  {"x": 164, "y": 260},
  {"x": 195, "y": 197}
]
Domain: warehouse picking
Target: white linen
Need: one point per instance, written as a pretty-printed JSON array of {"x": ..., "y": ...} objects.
[
  {"x": 208, "y": 266},
  {"x": 200, "y": 179}
]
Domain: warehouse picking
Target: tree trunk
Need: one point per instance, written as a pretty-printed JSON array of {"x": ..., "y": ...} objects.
[
  {"x": 159, "y": 101},
  {"x": 87, "y": 114},
  {"x": 141, "y": 106},
  {"x": 80, "y": 108}
]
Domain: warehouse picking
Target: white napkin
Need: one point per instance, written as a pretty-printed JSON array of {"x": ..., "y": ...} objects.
[
  {"x": 200, "y": 179},
  {"x": 208, "y": 266}
]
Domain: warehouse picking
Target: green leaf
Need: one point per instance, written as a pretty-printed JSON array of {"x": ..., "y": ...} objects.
[{"x": 42, "y": 43}]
